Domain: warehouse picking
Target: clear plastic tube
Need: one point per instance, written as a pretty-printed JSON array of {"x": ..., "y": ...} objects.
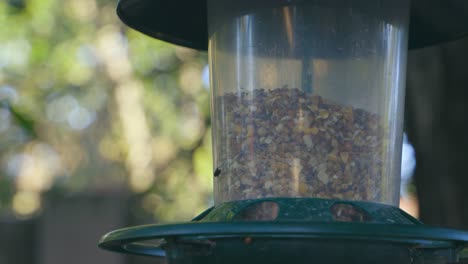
[{"x": 307, "y": 98}]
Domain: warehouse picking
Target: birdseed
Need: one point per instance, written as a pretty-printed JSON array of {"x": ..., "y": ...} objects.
[{"x": 289, "y": 143}]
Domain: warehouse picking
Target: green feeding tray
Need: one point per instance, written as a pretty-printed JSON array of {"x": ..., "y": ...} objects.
[{"x": 303, "y": 230}]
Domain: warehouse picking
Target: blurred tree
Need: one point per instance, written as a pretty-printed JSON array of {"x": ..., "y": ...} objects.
[{"x": 88, "y": 106}]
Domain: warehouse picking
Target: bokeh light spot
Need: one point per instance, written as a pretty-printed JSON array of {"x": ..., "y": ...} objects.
[
  {"x": 80, "y": 118},
  {"x": 86, "y": 55},
  {"x": 82, "y": 10},
  {"x": 58, "y": 109},
  {"x": 36, "y": 168},
  {"x": 206, "y": 77},
  {"x": 190, "y": 79},
  {"x": 14, "y": 53},
  {"x": 8, "y": 93},
  {"x": 26, "y": 203},
  {"x": 164, "y": 150},
  {"x": 408, "y": 165}
]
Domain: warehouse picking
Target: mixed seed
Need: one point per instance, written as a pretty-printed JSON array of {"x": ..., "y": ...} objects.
[{"x": 288, "y": 143}]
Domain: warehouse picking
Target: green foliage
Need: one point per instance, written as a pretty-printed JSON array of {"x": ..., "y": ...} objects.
[{"x": 90, "y": 105}]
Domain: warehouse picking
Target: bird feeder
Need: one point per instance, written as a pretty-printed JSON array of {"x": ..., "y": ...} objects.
[{"x": 307, "y": 118}]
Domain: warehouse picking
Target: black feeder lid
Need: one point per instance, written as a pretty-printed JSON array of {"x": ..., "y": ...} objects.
[{"x": 184, "y": 22}]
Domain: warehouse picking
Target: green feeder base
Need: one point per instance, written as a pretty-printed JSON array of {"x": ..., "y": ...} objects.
[{"x": 295, "y": 230}]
